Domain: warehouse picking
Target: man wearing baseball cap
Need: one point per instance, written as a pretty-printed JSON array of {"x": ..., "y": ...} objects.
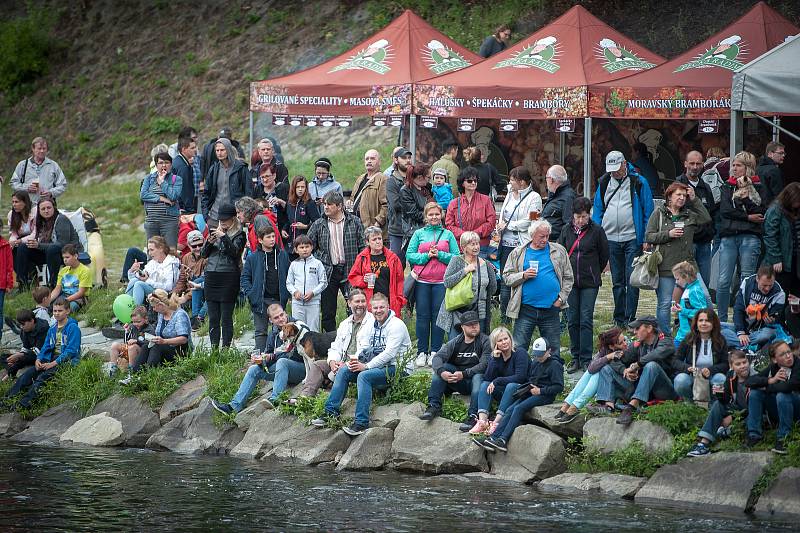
[
  {"x": 622, "y": 206},
  {"x": 191, "y": 276},
  {"x": 458, "y": 366},
  {"x": 401, "y": 162},
  {"x": 643, "y": 371}
]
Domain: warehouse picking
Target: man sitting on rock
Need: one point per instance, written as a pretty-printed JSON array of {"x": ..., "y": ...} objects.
[
  {"x": 62, "y": 346},
  {"x": 458, "y": 366},
  {"x": 343, "y": 347},
  {"x": 758, "y": 310},
  {"x": 642, "y": 371},
  {"x": 382, "y": 347},
  {"x": 282, "y": 368},
  {"x": 33, "y": 332}
]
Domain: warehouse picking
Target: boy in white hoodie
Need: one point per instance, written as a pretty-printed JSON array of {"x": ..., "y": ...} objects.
[{"x": 305, "y": 282}]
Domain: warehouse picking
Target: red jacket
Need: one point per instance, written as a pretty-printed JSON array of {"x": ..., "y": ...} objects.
[
  {"x": 252, "y": 238},
  {"x": 478, "y": 216},
  {"x": 396, "y": 278},
  {"x": 7, "y": 267}
]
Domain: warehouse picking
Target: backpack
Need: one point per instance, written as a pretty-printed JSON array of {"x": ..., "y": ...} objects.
[{"x": 714, "y": 181}]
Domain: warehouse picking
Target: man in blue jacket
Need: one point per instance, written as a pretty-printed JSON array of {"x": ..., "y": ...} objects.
[
  {"x": 622, "y": 206},
  {"x": 62, "y": 346}
]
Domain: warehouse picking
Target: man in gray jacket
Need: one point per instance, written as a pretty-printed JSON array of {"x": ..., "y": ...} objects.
[
  {"x": 39, "y": 175},
  {"x": 401, "y": 160},
  {"x": 458, "y": 366}
]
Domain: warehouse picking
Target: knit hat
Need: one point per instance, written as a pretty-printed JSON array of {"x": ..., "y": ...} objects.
[{"x": 226, "y": 211}]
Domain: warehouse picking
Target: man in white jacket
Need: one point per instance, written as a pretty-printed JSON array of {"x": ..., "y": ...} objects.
[
  {"x": 382, "y": 345},
  {"x": 305, "y": 282},
  {"x": 345, "y": 344}
]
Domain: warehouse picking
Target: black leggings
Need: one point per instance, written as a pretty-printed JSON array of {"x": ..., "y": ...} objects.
[
  {"x": 220, "y": 316},
  {"x": 156, "y": 355},
  {"x": 25, "y": 259}
]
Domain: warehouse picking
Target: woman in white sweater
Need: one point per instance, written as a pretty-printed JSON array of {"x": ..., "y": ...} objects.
[
  {"x": 161, "y": 272},
  {"x": 522, "y": 205}
]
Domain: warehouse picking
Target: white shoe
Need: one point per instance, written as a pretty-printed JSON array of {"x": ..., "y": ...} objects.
[
  {"x": 126, "y": 381},
  {"x": 422, "y": 360},
  {"x": 430, "y": 359}
]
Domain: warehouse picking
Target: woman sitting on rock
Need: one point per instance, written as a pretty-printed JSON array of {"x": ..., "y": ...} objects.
[
  {"x": 173, "y": 333},
  {"x": 703, "y": 352},
  {"x": 509, "y": 364},
  {"x": 161, "y": 272},
  {"x": 611, "y": 344}
]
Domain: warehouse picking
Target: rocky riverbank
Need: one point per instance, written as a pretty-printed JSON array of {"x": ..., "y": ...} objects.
[{"x": 398, "y": 440}]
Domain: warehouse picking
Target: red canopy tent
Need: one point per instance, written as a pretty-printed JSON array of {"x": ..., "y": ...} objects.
[
  {"x": 374, "y": 78},
  {"x": 545, "y": 76},
  {"x": 696, "y": 84}
]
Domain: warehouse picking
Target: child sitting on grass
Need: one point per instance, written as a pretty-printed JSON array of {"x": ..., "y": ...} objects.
[
  {"x": 122, "y": 353},
  {"x": 732, "y": 398},
  {"x": 33, "y": 332},
  {"x": 62, "y": 346},
  {"x": 41, "y": 296}
]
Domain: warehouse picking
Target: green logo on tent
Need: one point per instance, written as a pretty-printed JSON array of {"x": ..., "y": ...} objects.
[
  {"x": 620, "y": 58},
  {"x": 373, "y": 58},
  {"x": 540, "y": 54},
  {"x": 723, "y": 55},
  {"x": 441, "y": 58}
]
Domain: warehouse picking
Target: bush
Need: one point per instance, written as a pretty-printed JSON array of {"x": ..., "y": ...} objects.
[
  {"x": 164, "y": 125},
  {"x": 26, "y": 44}
]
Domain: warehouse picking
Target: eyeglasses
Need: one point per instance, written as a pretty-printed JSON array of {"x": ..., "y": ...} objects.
[
  {"x": 470, "y": 180},
  {"x": 779, "y": 153},
  {"x": 196, "y": 245}
]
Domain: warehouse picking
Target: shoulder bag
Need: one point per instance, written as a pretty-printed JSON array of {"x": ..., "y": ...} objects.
[
  {"x": 700, "y": 390},
  {"x": 410, "y": 281},
  {"x": 645, "y": 267}
]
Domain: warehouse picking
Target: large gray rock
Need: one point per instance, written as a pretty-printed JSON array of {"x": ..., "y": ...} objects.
[
  {"x": 388, "y": 416},
  {"x": 11, "y": 424},
  {"x": 194, "y": 432},
  {"x": 545, "y": 416},
  {"x": 274, "y": 435},
  {"x": 48, "y": 428},
  {"x": 187, "y": 397},
  {"x": 137, "y": 419},
  {"x": 434, "y": 447},
  {"x": 253, "y": 410},
  {"x": 606, "y": 435},
  {"x": 696, "y": 482},
  {"x": 368, "y": 451},
  {"x": 782, "y": 498},
  {"x": 94, "y": 430},
  {"x": 534, "y": 453},
  {"x": 611, "y": 484}
]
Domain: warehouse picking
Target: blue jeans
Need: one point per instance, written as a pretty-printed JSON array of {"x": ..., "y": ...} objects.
[
  {"x": 611, "y": 385},
  {"x": 513, "y": 416},
  {"x": 131, "y": 256},
  {"x": 584, "y": 390},
  {"x": 282, "y": 372},
  {"x": 429, "y": 301},
  {"x": 139, "y": 290},
  {"x": 782, "y": 406},
  {"x": 684, "y": 382},
  {"x": 547, "y": 320},
  {"x": 713, "y": 421},
  {"x": 366, "y": 381},
  {"x": 199, "y": 308},
  {"x": 32, "y": 379},
  {"x": 485, "y": 399},
  {"x": 463, "y": 387},
  {"x": 626, "y": 298},
  {"x": 702, "y": 256},
  {"x": 653, "y": 381},
  {"x": 739, "y": 249},
  {"x": 664, "y": 303},
  {"x": 505, "y": 290},
  {"x": 758, "y": 337},
  {"x": 396, "y": 245},
  {"x": 580, "y": 317}
]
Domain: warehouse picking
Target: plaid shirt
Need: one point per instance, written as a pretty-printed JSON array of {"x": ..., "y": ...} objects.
[{"x": 320, "y": 235}]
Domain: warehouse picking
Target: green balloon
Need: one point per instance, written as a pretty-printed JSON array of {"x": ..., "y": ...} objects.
[{"x": 123, "y": 307}]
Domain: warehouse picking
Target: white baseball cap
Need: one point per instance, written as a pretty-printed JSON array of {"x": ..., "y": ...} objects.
[
  {"x": 539, "y": 347},
  {"x": 614, "y": 161}
]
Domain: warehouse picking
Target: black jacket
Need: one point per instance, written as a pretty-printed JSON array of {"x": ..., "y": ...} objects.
[
  {"x": 733, "y": 214},
  {"x": 413, "y": 203},
  {"x": 683, "y": 358},
  {"x": 225, "y": 254},
  {"x": 447, "y": 355},
  {"x": 759, "y": 381},
  {"x": 557, "y": 210},
  {"x": 35, "y": 338},
  {"x": 548, "y": 376},
  {"x": 590, "y": 255},
  {"x": 182, "y": 168},
  {"x": 239, "y": 184},
  {"x": 705, "y": 234},
  {"x": 729, "y": 392},
  {"x": 771, "y": 180},
  {"x": 208, "y": 157},
  {"x": 488, "y": 177},
  {"x": 661, "y": 351}
]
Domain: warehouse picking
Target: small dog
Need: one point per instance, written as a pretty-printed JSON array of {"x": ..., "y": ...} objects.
[{"x": 309, "y": 344}]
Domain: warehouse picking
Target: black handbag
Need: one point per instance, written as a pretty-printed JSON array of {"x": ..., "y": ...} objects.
[{"x": 522, "y": 392}]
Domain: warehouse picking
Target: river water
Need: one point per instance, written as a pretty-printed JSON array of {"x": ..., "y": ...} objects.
[{"x": 90, "y": 489}]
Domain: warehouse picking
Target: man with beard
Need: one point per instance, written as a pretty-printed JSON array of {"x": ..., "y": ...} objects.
[
  {"x": 693, "y": 170},
  {"x": 401, "y": 158}
]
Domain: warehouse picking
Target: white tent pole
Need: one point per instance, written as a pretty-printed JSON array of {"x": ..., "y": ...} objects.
[
  {"x": 561, "y": 142},
  {"x": 250, "y": 146},
  {"x": 587, "y": 156},
  {"x": 776, "y": 133},
  {"x": 412, "y": 137}
]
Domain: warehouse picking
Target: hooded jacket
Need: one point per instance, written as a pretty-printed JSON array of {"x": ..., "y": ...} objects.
[
  {"x": 319, "y": 188},
  {"x": 254, "y": 276},
  {"x": 70, "y": 344},
  {"x": 746, "y": 318},
  {"x": 185, "y": 171},
  {"x": 338, "y": 349},
  {"x": 641, "y": 201},
  {"x": 661, "y": 351},
  {"x": 391, "y": 338},
  {"x": 362, "y": 266},
  {"x": 431, "y": 270},
  {"x": 548, "y": 376},
  {"x": 771, "y": 179},
  {"x": 36, "y": 337},
  {"x": 676, "y": 249},
  {"x": 447, "y": 355},
  {"x": 307, "y": 275},
  {"x": 239, "y": 184}
]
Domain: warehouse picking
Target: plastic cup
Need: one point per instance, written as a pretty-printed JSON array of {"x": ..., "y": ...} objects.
[
  {"x": 533, "y": 265},
  {"x": 370, "y": 279},
  {"x": 680, "y": 225},
  {"x": 794, "y": 304}
]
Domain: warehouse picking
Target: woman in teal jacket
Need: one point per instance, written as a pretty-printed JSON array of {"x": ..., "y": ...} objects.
[{"x": 429, "y": 252}]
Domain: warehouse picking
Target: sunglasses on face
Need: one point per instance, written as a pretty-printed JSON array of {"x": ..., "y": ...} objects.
[{"x": 470, "y": 181}]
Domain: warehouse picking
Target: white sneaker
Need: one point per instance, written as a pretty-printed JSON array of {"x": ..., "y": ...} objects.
[
  {"x": 126, "y": 381},
  {"x": 430, "y": 359},
  {"x": 422, "y": 360}
]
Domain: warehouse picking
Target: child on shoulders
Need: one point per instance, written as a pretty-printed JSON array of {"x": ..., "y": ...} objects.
[{"x": 442, "y": 191}]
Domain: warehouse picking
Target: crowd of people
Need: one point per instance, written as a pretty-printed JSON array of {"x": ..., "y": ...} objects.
[{"x": 221, "y": 230}]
